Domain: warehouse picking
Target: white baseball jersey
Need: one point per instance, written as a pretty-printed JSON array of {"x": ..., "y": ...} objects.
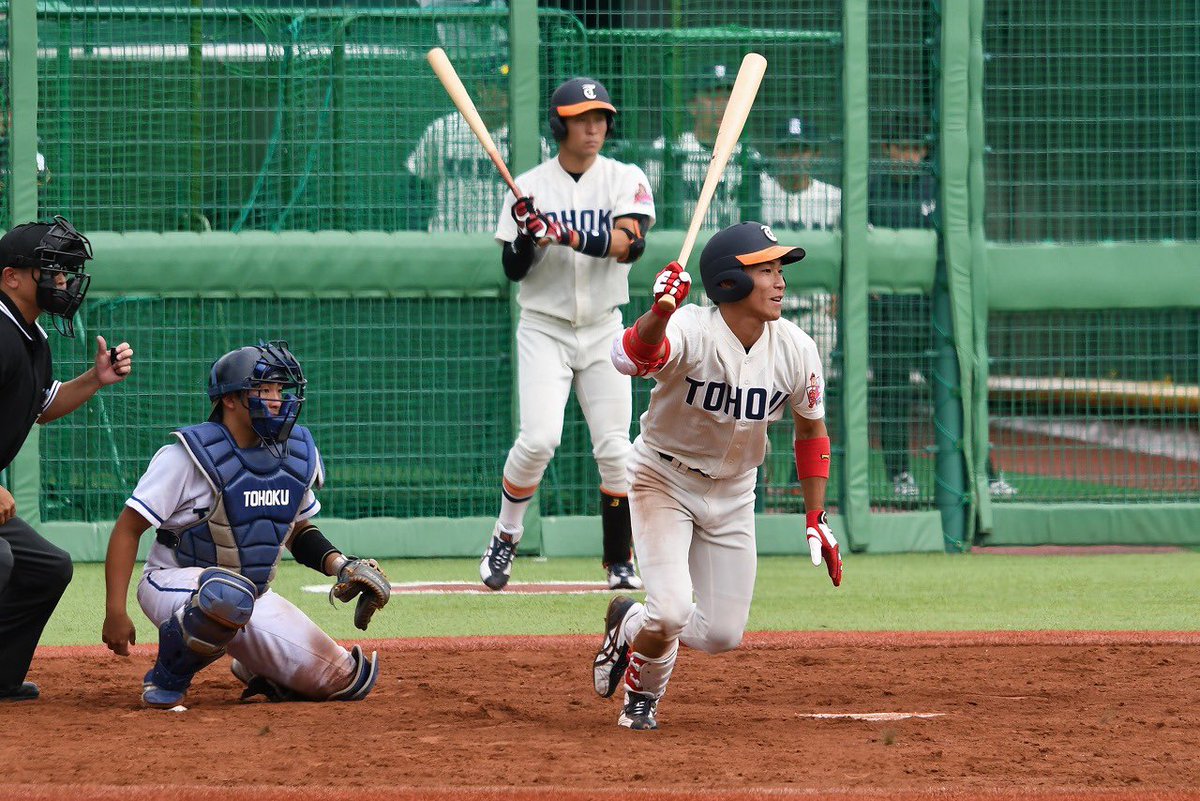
[
  {"x": 692, "y": 159},
  {"x": 467, "y": 184},
  {"x": 816, "y": 207},
  {"x": 280, "y": 642},
  {"x": 563, "y": 283},
  {"x": 713, "y": 399}
]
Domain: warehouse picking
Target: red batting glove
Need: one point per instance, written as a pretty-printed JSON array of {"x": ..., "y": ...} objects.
[
  {"x": 673, "y": 281},
  {"x": 555, "y": 233},
  {"x": 529, "y": 220},
  {"x": 823, "y": 545}
]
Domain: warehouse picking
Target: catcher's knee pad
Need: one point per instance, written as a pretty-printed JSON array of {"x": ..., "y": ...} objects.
[
  {"x": 363, "y": 678},
  {"x": 218, "y": 610},
  {"x": 196, "y": 635}
]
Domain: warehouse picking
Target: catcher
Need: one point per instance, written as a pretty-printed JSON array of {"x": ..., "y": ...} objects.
[{"x": 225, "y": 500}]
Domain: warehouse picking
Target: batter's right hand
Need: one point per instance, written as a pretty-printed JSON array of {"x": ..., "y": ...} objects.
[
  {"x": 118, "y": 633},
  {"x": 529, "y": 220},
  {"x": 673, "y": 281}
]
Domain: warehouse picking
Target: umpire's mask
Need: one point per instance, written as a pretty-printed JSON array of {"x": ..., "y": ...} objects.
[{"x": 54, "y": 248}]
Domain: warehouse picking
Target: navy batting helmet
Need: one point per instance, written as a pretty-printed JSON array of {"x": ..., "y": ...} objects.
[
  {"x": 735, "y": 248},
  {"x": 55, "y": 248},
  {"x": 574, "y": 98},
  {"x": 249, "y": 368}
]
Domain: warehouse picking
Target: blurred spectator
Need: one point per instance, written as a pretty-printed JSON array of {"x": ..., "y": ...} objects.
[{"x": 677, "y": 169}]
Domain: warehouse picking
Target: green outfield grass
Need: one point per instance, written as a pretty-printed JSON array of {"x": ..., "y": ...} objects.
[{"x": 898, "y": 593}]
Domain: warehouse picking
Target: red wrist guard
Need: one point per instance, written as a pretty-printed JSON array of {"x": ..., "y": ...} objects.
[
  {"x": 647, "y": 356},
  {"x": 812, "y": 458}
]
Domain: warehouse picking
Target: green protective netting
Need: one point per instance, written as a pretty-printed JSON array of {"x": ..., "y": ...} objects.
[
  {"x": 901, "y": 193},
  {"x": 225, "y": 117},
  {"x": 408, "y": 427},
  {"x": 5, "y": 121},
  {"x": 1090, "y": 111},
  {"x": 669, "y": 69},
  {"x": 1097, "y": 405}
]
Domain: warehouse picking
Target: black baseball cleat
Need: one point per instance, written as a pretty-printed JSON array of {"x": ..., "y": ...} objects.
[
  {"x": 613, "y": 657},
  {"x": 638, "y": 712},
  {"x": 623, "y": 576},
  {"x": 496, "y": 565},
  {"x": 28, "y": 691}
]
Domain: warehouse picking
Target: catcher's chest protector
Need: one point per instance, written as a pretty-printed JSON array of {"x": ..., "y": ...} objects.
[{"x": 257, "y": 498}]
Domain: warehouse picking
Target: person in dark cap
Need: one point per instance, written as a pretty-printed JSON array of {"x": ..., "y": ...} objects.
[
  {"x": 792, "y": 199},
  {"x": 677, "y": 168},
  {"x": 41, "y": 271}
]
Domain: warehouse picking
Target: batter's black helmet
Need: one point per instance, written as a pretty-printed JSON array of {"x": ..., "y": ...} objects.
[
  {"x": 735, "y": 248},
  {"x": 55, "y": 248},
  {"x": 249, "y": 367},
  {"x": 575, "y": 97}
]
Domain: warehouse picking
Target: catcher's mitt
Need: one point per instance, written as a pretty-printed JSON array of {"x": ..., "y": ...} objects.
[{"x": 362, "y": 577}]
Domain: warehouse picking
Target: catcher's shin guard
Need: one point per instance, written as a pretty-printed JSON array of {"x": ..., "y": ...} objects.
[
  {"x": 196, "y": 635},
  {"x": 366, "y": 672}
]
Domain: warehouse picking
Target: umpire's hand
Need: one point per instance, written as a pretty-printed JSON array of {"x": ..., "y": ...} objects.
[
  {"x": 112, "y": 364},
  {"x": 8, "y": 506}
]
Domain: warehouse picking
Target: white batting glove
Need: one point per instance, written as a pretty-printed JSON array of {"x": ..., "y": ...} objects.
[{"x": 822, "y": 545}]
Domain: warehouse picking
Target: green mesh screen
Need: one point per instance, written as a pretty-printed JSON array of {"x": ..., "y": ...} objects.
[
  {"x": 5, "y": 121},
  {"x": 1097, "y": 406},
  {"x": 696, "y": 48},
  {"x": 234, "y": 118},
  {"x": 407, "y": 427},
  {"x": 901, "y": 193},
  {"x": 1090, "y": 111}
]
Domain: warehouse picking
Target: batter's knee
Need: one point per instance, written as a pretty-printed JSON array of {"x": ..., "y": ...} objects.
[{"x": 721, "y": 639}]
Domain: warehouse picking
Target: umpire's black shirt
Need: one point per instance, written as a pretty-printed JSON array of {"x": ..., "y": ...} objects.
[{"x": 26, "y": 383}]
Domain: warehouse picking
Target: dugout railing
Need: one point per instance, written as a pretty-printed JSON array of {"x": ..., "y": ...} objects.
[{"x": 274, "y": 127}]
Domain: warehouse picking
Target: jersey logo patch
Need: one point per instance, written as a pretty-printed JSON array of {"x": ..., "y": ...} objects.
[
  {"x": 642, "y": 195},
  {"x": 814, "y": 390}
]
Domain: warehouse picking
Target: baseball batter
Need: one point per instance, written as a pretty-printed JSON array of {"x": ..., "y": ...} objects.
[
  {"x": 226, "y": 498},
  {"x": 569, "y": 243},
  {"x": 723, "y": 373}
]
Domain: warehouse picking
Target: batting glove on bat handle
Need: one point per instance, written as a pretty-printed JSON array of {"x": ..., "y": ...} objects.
[
  {"x": 529, "y": 220},
  {"x": 822, "y": 546},
  {"x": 671, "y": 288}
]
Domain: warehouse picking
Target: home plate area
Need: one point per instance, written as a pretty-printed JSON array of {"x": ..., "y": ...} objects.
[{"x": 475, "y": 588}]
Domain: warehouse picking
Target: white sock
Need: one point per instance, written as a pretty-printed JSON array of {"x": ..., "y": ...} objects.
[
  {"x": 512, "y": 508},
  {"x": 633, "y": 624}
]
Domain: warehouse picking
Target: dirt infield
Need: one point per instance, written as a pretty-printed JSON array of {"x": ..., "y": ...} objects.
[{"x": 1073, "y": 716}]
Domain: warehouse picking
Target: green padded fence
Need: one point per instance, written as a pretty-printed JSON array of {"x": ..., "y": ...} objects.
[{"x": 237, "y": 122}]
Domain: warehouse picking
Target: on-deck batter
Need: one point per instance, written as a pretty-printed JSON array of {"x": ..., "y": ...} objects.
[
  {"x": 225, "y": 500},
  {"x": 589, "y": 221},
  {"x": 722, "y": 373}
]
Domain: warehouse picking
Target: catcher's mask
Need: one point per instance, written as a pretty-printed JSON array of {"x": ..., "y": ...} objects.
[
  {"x": 246, "y": 370},
  {"x": 54, "y": 248}
]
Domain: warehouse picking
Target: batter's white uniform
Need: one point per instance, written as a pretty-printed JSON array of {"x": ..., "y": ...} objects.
[
  {"x": 467, "y": 185},
  {"x": 569, "y": 316},
  {"x": 280, "y": 642},
  {"x": 693, "y": 472},
  {"x": 692, "y": 159}
]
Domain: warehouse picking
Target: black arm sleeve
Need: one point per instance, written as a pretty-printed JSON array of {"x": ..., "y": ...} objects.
[
  {"x": 310, "y": 549},
  {"x": 518, "y": 257}
]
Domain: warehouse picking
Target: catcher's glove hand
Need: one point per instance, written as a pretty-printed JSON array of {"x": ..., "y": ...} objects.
[{"x": 362, "y": 577}]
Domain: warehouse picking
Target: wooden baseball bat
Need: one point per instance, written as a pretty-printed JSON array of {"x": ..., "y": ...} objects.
[
  {"x": 446, "y": 73},
  {"x": 741, "y": 100}
]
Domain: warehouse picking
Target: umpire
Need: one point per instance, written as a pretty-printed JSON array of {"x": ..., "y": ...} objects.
[{"x": 41, "y": 270}]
